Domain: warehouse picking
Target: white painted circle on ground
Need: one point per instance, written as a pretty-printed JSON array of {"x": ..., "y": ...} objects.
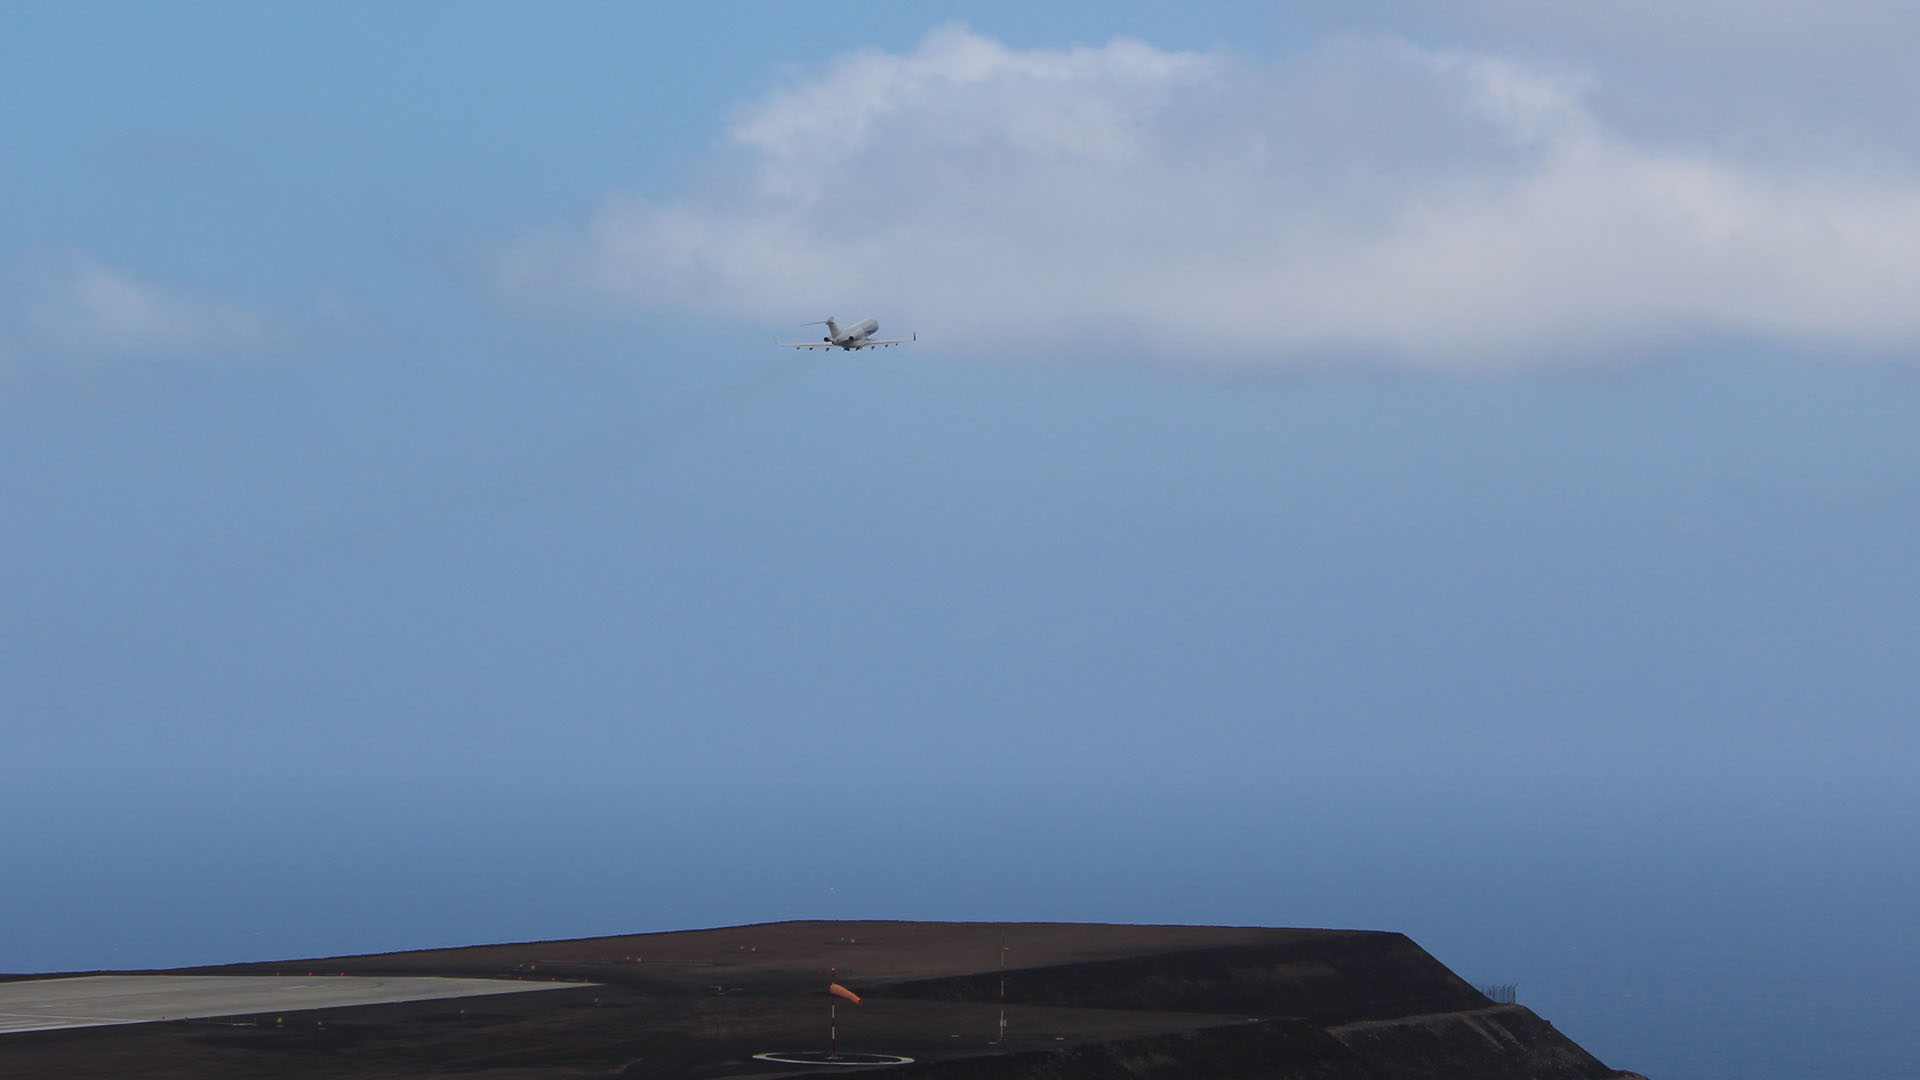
[{"x": 821, "y": 1057}]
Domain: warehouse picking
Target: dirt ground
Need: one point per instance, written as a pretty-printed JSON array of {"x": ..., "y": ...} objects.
[{"x": 700, "y": 1004}]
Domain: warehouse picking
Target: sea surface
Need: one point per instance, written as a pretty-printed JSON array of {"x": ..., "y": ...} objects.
[{"x": 1741, "y": 1017}]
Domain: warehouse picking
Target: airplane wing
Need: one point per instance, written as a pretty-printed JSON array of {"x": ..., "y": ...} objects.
[{"x": 848, "y": 345}]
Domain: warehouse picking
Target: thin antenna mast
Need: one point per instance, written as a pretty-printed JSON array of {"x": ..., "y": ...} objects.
[{"x": 1003, "y": 988}]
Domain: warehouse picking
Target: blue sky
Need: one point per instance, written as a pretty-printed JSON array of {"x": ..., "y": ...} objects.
[{"x": 1441, "y": 468}]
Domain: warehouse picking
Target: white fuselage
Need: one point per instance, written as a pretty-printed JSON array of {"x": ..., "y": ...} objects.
[{"x": 852, "y": 336}]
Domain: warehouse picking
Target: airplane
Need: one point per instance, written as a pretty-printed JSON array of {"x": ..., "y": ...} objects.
[{"x": 857, "y": 336}]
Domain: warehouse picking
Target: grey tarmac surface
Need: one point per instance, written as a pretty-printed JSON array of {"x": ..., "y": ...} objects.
[{"x": 99, "y": 1000}]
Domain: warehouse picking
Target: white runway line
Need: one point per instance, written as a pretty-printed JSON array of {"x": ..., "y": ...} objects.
[{"x": 103, "y": 1000}]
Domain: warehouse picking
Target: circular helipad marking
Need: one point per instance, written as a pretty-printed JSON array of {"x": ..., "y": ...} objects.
[{"x": 821, "y": 1057}]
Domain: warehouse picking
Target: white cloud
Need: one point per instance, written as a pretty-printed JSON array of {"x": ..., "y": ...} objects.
[
  {"x": 1779, "y": 80},
  {"x": 1705, "y": 30},
  {"x": 71, "y": 311},
  {"x": 1453, "y": 209}
]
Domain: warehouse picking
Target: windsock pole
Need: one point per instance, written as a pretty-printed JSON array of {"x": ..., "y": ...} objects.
[{"x": 835, "y": 990}]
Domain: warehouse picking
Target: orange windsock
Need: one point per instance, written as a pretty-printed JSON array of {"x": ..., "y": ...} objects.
[{"x": 840, "y": 991}]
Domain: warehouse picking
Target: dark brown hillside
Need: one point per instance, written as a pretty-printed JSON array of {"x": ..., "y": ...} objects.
[
  {"x": 1502, "y": 1040},
  {"x": 1331, "y": 979},
  {"x": 1086, "y": 1002}
]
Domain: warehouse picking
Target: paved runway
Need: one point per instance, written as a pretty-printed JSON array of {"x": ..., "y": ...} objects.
[{"x": 98, "y": 1000}]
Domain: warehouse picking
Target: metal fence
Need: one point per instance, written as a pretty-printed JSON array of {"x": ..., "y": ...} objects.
[{"x": 1500, "y": 993}]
